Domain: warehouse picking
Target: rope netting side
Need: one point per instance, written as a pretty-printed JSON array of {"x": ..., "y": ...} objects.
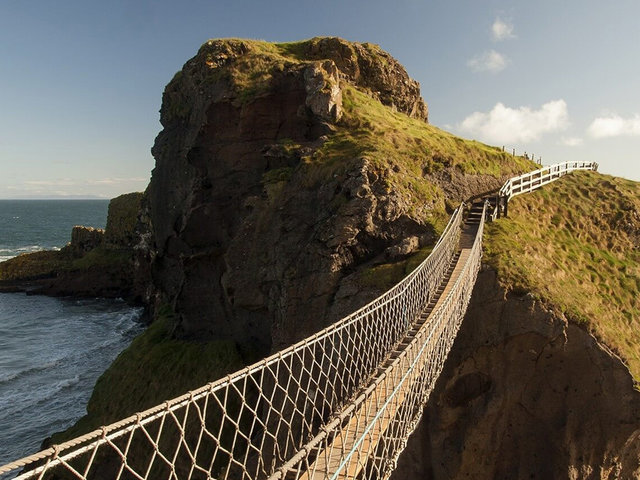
[
  {"x": 365, "y": 439},
  {"x": 247, "y": 425}
]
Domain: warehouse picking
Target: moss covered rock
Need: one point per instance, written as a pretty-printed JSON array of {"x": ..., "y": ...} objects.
[
  {"x": 122, "y": 219},
  {"x": 284, "y": 168}
]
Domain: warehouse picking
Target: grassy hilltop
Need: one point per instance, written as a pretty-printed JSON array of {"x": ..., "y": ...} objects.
[{"x": 576, "y": 245}]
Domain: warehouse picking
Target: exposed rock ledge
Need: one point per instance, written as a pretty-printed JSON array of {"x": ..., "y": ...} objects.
[{"x": 525, "y": 394}]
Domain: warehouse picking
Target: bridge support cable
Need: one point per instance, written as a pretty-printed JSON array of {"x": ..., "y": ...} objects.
[{"x": 365, "y": 439}]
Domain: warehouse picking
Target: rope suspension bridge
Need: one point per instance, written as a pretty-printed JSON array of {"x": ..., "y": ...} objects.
[{"x": 337, "y": 405}]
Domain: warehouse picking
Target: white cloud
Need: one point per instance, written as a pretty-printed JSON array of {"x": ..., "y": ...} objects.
[
  {"x": 51, "y": 183},
  {"x": 572, "y": 141},
  {"x": 510, "y": 125},
  {"x": 117, "y": 181},
  {"x": 501, "y": 30},
  {"x": 614, "y": 126},
  {"x": 490, "y": 61}
]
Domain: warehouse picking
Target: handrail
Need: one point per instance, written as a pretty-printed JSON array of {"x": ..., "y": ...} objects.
[
  {"x": 530, "y": 181},
  {"x": 430, "y": 344}
]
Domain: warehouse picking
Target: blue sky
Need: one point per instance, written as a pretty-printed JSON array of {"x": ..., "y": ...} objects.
[{"x": 82, "y": 81}]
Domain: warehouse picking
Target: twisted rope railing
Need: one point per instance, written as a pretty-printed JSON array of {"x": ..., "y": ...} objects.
[{"x": 252, "y": 422}]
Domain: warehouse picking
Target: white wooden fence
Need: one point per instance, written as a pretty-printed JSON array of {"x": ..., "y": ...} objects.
[{"x": 530, "y": 181}]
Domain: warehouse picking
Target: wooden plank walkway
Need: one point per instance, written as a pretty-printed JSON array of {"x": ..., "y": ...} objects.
[{"x": 331, "y": 459}]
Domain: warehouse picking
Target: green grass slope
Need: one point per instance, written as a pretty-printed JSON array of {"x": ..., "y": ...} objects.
[
  {"x": 406, "y": 152},
  {"x": 576, "y": 244}
]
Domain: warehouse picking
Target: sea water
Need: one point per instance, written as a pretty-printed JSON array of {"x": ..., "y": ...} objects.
[
  {"x": 32, "y": 225},
  {"x": 52, "y": 350}
]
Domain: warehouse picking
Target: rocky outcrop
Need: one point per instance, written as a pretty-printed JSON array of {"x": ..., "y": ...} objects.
[
  {"x": 248, "y": 245},
  {"x": 372, "y": 69},
  {"x": 123, "y": 229},
  {"x": 95, "y": 263},
  {"x": 84, "y": 239},
  {"x": 526, "y": 394},
  {"x": 324, "y": 95}
]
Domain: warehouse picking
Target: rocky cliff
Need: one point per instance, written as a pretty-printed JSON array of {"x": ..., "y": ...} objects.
[
  {"x": 283, "y": 169},
  {"x": 95, "y": 263},
  {"x": 524, "y": 394}
]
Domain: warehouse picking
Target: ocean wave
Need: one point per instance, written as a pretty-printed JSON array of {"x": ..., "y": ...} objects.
[
  {"x": 128, "y": 321},
  {"x": 66, "y": 383},
  {"x": 28, "y": 371},
  {"x": 29, "y": 248},
  {"x": 9, "y": 253},
  {"x": 47, "y": 394},
  {"x": 18, "y": 249},
  {"x": 27, "y": 400}
]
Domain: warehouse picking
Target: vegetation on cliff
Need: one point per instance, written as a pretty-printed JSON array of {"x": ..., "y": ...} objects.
[
  {"x": 407, "y": 153},
  {"x": 31, "y": 266},
  {"x": 576, "y": 245}
]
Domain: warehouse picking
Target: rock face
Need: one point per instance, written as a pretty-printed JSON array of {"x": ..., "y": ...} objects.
[
  {"x": 247, "y": 247},
  {"x": 85, "y": 239},
  {"x": 525, "y": 394},
  {"x": 122, "y": 230},
  {"x": 373, "y": 70}
]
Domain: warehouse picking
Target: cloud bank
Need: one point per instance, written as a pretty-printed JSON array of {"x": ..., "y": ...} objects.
[
  {"x": 501, "y": 30},
  {"x": 614, "y": 126},
  {"x": 572, "y": 141},
  {"x": 80, "y": 182},
  {"x": 516, "y": 125},
  {"x": 490, "y": 61}
]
